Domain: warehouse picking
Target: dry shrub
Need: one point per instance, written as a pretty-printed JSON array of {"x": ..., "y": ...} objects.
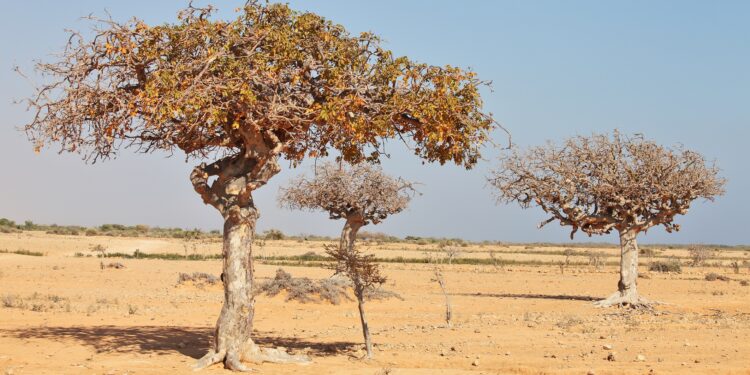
[
  {"x": 699, "y": 255},
  {"x": 715, "y": 276},
  {"x": 672, "y": 265},
  {"x": 197, "y": 278},
  {"x": 372, "y": 294},
  {"x": 305, "y": 290}
]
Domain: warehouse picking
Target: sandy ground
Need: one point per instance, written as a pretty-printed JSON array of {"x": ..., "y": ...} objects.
[{"x": 62, "y": 314}]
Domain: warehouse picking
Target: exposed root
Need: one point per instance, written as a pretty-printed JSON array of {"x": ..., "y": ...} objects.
[
  {"x": 232, "y": 362},
  {"x": 631, "y": 300},
  {"x": 275, "y": 355},
  {"x": 253, "y": 354},
  {"x": 211, "y": 358}
]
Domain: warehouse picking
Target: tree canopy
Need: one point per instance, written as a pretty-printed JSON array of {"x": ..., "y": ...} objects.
[
  {"x": 362, "y": 189},
  {"x": 599, "y": 183},
  {"x": 272, "y": 81}
]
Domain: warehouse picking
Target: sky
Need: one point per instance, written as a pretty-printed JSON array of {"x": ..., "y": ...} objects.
[{"x": 676, "y": 71}]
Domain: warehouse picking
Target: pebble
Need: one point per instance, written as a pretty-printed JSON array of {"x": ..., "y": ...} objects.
[
  {"x": 640, "y": 358},
  {"x": 611, "y": 357},
  {"x": 607, "y": 347},
  {"x": 475, "y": 363}
]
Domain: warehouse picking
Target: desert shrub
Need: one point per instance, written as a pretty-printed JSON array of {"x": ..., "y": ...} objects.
[
  {"x": 273, "y": 234},
  {"x": 101, "y": 250},
  {"x": 596, "y": 258},
  {"x": 715, "y": 276},
  {"x": 672, "y": 265},
  {"x": 744, "y": 283},
  {"x": 646, "y": 251},
  {"x": 198, "y": 278},
  {"x": 735, "y": 266},
  {"x": 699, "y": 255},
  {"x": 375, "y": 294},
  {"x": 303, "y": 289}
]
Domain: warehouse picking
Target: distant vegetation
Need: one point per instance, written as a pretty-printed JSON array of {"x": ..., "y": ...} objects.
[{"x": 119, "y": 230}]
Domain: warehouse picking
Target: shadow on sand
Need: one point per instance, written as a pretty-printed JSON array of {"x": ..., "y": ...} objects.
[
  {"x": 193, "y": 342},
  {"x": 529, "y": 296}
]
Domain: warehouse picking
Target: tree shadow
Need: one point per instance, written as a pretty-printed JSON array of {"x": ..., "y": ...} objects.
[
  {"x": 161, "y": 340},
  {"x": 530, "y": 296}
]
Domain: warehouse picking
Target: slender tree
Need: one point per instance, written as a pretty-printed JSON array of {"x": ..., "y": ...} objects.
[
  {"x": 272, "y": 83},
  {"x": 600, "y": 183},
  {"x": 360, "y": 194}
]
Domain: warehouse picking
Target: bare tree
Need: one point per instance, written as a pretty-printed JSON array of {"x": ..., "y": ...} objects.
[
  {"x": 450, "y": 249},
  {"x": 361, "y": 194},
  {"x": 238, "y": 95},
  {"x": 598, "y": 184}
]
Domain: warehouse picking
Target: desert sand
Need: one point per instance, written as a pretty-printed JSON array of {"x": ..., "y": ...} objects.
[{"x": 64, "y": 314}]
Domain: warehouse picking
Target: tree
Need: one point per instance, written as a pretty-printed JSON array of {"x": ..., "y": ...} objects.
[
  {"x": 272, "y": 83},
  {"x": 360, "y": 194},
  {"x": 600, "y": 183}
]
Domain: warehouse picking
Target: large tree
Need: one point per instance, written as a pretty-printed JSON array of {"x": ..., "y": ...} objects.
[
  {"x": 598, "y": 184},
  {"x": 272, "y": 83},
  {"x": 361, "y": 194}
]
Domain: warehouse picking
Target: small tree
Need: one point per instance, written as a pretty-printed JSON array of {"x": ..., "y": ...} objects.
[
  {"x": 237, "y": 96},
  {"x": 360, "y": 194},
  {"x": 600, "y": 183},
  {"x": 450, "y": 249}
]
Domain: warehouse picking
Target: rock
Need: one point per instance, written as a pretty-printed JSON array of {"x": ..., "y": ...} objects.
[
  {"x": 607, "y": 347},
  {"x": 611, "y": 357},
  {"x": 640, "y": 358},
  {"x": 475, "y": 363},
  {"x": 591, "y": 372},
  {"x": 507, "y": 353}
]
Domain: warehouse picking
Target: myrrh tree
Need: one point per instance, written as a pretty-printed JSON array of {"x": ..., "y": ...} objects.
[
  {"x": 272, "y": 83},
  {"x": 360, "y": 194},
  {"x": 598, "y": 184}
]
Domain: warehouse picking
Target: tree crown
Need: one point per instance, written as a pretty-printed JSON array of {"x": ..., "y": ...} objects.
[
  {"x": 273, "y": 81},
  {"x": 361, "y": 189},
  {"x": 600, "y": 183}
]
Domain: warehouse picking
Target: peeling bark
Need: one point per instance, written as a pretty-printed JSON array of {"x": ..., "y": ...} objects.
[
  {"x": 627, "y": 287},
  {"x": 231, "y": 194}
]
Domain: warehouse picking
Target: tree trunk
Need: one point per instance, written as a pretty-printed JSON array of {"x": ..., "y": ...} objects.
[
  {"x": 349, "y": 233},
  {"x": 348, "y": 237},
  {"x": 365, "y": 327},
  {"x": 231, "y": 194},
  {"x": 627, "y": 291}
]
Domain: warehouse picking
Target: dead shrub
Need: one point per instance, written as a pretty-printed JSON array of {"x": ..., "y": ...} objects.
[
  {"x": 305, "y": 290},
  {"x": 715, "y": 276},
  {"x": 673, "y": 265},
  {"x": 197, "y": 278},
  {"x": 699, "y": 255}
]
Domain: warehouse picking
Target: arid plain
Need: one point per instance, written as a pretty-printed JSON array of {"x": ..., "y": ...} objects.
[{"x": 518, "y": 309}]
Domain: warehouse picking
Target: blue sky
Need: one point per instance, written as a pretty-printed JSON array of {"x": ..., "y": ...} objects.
[{"x": 677, "y": 71}]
